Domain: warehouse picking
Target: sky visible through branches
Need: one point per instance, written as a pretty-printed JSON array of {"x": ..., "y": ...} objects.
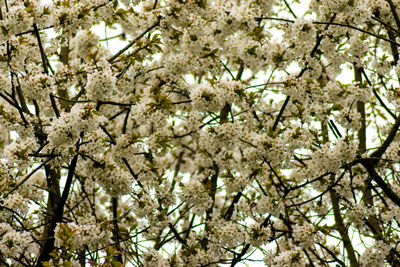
[{"x": 199, "y": 133}]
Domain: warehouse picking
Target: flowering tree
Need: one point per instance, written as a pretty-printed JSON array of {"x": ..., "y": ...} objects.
[{"x": 224, "y": 131}]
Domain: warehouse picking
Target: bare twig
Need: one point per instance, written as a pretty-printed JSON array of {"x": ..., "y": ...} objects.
[{"x": 111, "y": 60}]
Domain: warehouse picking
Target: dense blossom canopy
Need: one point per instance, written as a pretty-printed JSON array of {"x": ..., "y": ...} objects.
[{"x": 221, "y": 132}]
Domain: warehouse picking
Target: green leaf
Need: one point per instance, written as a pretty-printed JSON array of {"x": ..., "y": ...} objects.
[
  {"x": 116, "y": 264},
  {"x": 46, "y": 264},
  {"x": 29, "y": 9},
  {"x": 67, "y": 264}
]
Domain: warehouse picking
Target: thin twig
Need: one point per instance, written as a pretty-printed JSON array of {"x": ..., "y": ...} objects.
[
  {"x": 42, "y": 53},
  {"x": 111, "y": 60},
  {"x": 28, "y": 176},
  {"x": 335, "y": 24}
]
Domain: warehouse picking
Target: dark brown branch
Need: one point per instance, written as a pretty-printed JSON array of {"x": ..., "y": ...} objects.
[
  {"x": 33, "y": 31},
  {"x": 394, "y": 13},
  {"x": 239, "y": 257},
  {"x": 126, "y": 121},
  {"x": 231, "y": 208},
  {"x": 21, "y": 97},
  {"x": 93, "y": 101},
  {"x": 319, "y": 39},
  {"x": 367, "y": 194},
  {"x": 286, "y": 190},
  {"x": 313, "y": 51},
  {"x": 309, "y": 182},
  {"x": 334, "y": 129},
  {"x": 28, "y": 176},
  {"x": 111, "y": 60},
  {"x": 48, "y": 245},
  {"x": 358, "y": 29},
  {"x": 108, "y": 134},
  {"x": 54, "y": 106},
  {"x": 132, "y": 172},
  {"x": 369, "y": 166},
  {"x": 177, "y": 235},
  {"x": 342, "y": 229},
  {"x": 335, "y": 24},
  {"x": 377, "y": 95},
  {"x": 394, "y": 48},
  {"x": 385, "y": 24},
  {"x": 42, "y": 53},
  {"x": 9, "y": 101},
  {"x": 115, "y": 231},
  {"x": 290, "y": 9},
  {"x": 332, "y": 254},
  {"x": 362, "y": 134},
  {"x": 278, "y": 118},
  {"x": 393, "y": 131},
  {"x": 226, "y": 68},
  {"x": 330, "y": 187}
]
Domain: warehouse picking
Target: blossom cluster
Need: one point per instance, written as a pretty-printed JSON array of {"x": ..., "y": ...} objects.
[{"x": 198, "y": 133}]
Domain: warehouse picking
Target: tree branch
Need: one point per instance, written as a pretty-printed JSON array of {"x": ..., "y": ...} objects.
[
  {"x": 335, "y": 24},
  {"x": 394, "y": 13},
  {"x": 393, "y": 131},
  {"x": 48, "y": 246},
  {"x": 342, "y": 229},
  {"x": 111, "y": 59},
  {"x": 42, "y": 53}
]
